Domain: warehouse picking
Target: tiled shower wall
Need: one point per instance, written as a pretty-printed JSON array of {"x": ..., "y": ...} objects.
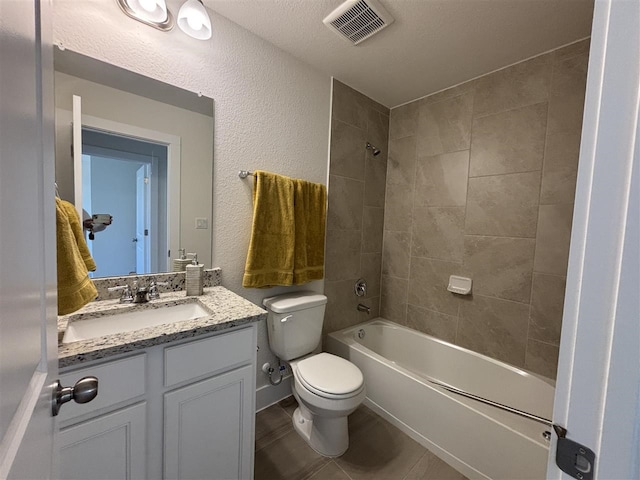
[
  {"x": 356, "y": 206},
  {"x": 481, "y": 183}
]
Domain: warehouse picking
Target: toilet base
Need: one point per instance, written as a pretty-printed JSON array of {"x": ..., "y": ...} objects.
[{"x": 327, "y": 436}]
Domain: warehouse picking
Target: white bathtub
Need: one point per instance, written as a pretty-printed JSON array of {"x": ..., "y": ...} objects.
[{"x": 478, "y": 440}]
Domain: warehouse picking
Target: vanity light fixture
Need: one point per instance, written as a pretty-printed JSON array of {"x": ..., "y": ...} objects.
[
  {"x": 150, "y": 12},
  {"x": 193, "y": 20}
]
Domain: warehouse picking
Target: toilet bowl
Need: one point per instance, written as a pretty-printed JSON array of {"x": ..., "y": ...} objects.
[{"x": 327, "y": 388}]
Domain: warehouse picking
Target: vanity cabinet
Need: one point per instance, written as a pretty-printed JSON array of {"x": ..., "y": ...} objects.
[{"x": 182, "y": 410}]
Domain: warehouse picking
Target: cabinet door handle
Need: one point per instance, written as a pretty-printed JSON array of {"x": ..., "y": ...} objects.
[{"x": 85, "y": 390}]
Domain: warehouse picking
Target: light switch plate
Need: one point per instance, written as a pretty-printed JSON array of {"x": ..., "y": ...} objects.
[{"x": 202, "y": 223}]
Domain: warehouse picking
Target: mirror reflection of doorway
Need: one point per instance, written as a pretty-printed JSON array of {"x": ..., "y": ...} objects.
[{"x": 126, "y": 178}]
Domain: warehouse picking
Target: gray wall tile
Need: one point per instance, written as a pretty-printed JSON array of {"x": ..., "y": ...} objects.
[
  {"x": 438, "y": 232},
  {"x": 401, "y": 165},
  {"x": 494, "y": 327},
  {"x": 504, "y": 205},
  {"x": 547, "y": 302},
  {"x": 398, "y": 208},
  {"x": 403, "y": 121},
  {"x": 346, "y": 197},
  {"x": 432, "y": 323},
  {"x": 342, "y": 257},
  {"x": 372, "y": 229},
  {"x": 566, "y": 99},
  {"x": 347, "y": 106},
  {"x": 347, "y": 150},
  {"x": 396, "y": 254},
  {"x": 500, "y": 267},
  {"x": 393, "y": 301},
  {"x": 509, "y": 142},
  {"x": 560, "y": 169},
  {"x": 371, "y": 271},
  {"x": 444, "y": 126},
  {"x": 522, "y": 84},
  {"x": 375, "y": 179},
  {"x": 341, "y": 309},
  {"x": 441, "y": 180},
  {"x": 542, "y": 358},
  {"x": 553, "y": 238},
  {"x": 428, "y": 285}
]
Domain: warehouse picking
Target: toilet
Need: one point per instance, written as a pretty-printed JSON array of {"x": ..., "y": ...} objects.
[{"x": 328, "y": 388}]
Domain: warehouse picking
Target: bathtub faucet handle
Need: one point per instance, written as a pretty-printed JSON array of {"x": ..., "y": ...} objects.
[{"x": 360, "y": 288}]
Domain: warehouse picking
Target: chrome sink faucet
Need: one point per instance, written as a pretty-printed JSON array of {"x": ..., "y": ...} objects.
[
  {"x": 126, "y": 296},
  {"x": 136, "y": 294}
]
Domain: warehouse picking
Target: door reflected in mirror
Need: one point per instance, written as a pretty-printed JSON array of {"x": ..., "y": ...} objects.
[
  {"x": 145, "y": 169},
  {"x": 124, "y": 179}
]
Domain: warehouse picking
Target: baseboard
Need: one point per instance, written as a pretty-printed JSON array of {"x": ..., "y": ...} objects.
[{"x": 267, "y": 395}]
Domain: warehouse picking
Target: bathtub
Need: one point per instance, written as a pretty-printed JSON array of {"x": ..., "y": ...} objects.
[{"x": 479, "y": 440}]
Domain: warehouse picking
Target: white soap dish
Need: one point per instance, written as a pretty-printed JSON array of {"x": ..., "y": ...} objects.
[{"x": 459, "y": 285}]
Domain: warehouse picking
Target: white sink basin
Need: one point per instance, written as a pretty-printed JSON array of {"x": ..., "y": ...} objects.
[{"x": 131, "y": 321}]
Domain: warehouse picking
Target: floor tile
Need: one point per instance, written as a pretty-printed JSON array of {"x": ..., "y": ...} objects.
[
  {"x": 380, "y": 452},
  {"x": 288, "y": 457},
  {"x": 331, "y": 471},
  {"x": 289, "y": 405},
  {"x": 430, "y": 467},
  {"x": 271, "y": 423}
]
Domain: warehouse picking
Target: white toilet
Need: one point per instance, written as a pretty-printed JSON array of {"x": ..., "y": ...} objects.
[{"x": 328, "y": 388}]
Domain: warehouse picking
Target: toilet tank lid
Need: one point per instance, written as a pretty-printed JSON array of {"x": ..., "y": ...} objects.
[{"x": 290, "y": 302}]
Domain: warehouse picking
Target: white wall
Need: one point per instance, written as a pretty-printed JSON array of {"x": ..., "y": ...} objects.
[{"x": 271, "y": 110}]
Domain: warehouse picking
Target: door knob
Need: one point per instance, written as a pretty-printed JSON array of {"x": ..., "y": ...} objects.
[{"x": 85, "y": 390}]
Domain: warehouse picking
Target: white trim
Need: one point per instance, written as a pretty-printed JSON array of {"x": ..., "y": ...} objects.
[
  {"x": 77, "y": 153},
  {"x": 267, "y": 395}
]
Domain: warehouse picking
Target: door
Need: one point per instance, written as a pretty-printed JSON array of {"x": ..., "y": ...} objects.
[
  {"x": 598, "y": 371},
  {"x": 28, "y": 337},
  {"x": 143, "y": 205}
]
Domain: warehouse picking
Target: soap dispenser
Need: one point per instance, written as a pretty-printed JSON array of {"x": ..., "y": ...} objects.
[
  {"x": 195, "y": 277},
  {"x": 180, "y": 264}
]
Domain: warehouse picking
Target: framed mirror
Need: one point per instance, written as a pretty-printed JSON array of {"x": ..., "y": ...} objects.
[{"x": 135, "y": 156}]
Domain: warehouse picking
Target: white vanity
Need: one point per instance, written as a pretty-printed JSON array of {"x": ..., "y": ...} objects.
[{"x": 174, "y": 401}]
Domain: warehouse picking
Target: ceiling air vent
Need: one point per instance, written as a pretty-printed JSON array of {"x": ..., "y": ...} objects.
[{"x": 357, "y": 20}]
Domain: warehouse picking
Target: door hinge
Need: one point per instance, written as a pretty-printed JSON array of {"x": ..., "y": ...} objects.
[
  {"x": 146, "y": 232},
  {"x": 573, "y": 458}
]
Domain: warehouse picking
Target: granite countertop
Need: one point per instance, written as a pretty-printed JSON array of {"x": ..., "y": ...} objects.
[{"x": 227, "y": 310}]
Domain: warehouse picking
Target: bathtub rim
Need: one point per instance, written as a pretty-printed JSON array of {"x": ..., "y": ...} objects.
[{"x": 345, "y": 333}]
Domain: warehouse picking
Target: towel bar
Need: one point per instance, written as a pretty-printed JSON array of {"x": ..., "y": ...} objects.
[{"x": 244, "y": 173}]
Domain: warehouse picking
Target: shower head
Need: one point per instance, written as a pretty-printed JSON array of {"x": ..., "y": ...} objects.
[{"x": 374, "y": 150}]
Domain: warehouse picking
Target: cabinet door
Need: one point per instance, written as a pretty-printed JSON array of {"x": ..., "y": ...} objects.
[
  {"x": 111, "y": 446},
  {"x": 208, "y": 430}
]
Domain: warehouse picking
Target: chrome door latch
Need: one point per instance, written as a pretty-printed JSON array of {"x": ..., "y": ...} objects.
[
  {"x": 85, "y": 390},
  {"x": 573, "y": 458}
]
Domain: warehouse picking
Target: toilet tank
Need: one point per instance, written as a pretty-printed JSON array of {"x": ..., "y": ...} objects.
[{"x": 294, "y": 323}]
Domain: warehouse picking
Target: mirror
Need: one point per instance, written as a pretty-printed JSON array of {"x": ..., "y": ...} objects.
[{"x": 144, "y": 172}]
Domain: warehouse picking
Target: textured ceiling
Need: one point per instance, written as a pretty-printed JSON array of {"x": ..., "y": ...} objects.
[{"x": 433, "y": 44}]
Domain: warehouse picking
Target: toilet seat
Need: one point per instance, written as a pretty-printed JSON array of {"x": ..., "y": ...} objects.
[{"x": 330, "y": 376}]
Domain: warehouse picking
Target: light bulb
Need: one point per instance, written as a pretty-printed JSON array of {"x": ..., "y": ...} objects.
[
  {"x": 148, "y": 5},
  {"x": 195, "y": 22}
]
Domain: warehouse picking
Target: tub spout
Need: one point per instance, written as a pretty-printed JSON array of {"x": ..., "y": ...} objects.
[{"x": 364, "y": 308}]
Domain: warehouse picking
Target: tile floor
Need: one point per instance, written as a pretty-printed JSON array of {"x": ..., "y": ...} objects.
[{"x": 377, "y": 450}]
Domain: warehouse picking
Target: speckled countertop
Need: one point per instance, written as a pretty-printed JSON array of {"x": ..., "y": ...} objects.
[{"x": 227, "y": 310}]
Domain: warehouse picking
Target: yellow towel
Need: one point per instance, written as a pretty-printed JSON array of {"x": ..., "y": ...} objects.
[
  {"x": 75, "y": 288},
  {"x": 310, "y": 202},
  {"x": 78, "y": 233},
  {"x": 271, "y": 249}
]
